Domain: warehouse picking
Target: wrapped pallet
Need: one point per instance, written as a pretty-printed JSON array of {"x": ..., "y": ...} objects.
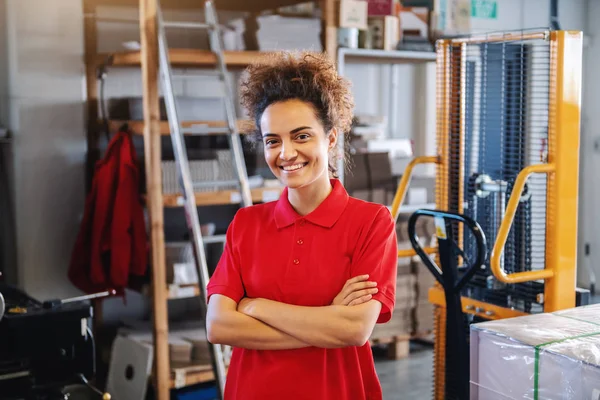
[{"x": 542, "y": 356}]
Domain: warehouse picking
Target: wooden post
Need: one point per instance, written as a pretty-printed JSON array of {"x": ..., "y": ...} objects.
[
  {"x": 90, "y": 35},
  {"x": 329, "y": 28},
  {"x": 91, "y": 47},
  {"x": 152, "y": 150}
]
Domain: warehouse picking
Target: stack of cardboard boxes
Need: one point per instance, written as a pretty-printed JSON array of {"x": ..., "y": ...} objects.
[
  {"x": 413, "y": 315},
  {"x": 382, "y": 24}
]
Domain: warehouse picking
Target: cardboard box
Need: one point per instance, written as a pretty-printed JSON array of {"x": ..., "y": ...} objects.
[
  {"x": 424, "y": 318},
  {"x": 353, "y": 14},
  {"x": 400, "y": 324},
  {"x": 358, "y": 177},
  {"x": 546, "y": 356},
  {"x": 385, "y": 32},
  {"x": 414, "y": 21},
  {"x": 382, "y": 7}
]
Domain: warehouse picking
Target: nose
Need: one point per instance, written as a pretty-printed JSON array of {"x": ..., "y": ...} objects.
[{"x": 288, "y": 151}]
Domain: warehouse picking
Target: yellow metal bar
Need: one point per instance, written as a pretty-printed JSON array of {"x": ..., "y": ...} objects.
[
  {"x": 412, "y": 252},
  {"x": 475, "y": 307},
  {"x": 443, "y": 94},
  {"x": 563, "y": 151},
  {"x": 439, "y": 352},
  {"x": 511, "y": 209},
  {"x": 401, "y": 191}
]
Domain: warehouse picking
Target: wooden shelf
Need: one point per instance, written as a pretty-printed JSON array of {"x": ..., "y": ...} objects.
[
  {"x": 387, "y": 56},
  {"x": 175, "y": 292},
  {"x": 223, "y": 197},
  {"x": 229, "y": 5},
  {"x": 192, "y": 378},
  {"x": 184, "y": 58},
  {"x": 137, "y": 127}
]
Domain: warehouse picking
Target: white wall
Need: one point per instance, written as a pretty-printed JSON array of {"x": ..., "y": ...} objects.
[{"x": 45, "y": 91}]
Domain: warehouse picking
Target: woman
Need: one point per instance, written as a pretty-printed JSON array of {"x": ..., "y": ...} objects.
[{"x": 290, "y": 292}]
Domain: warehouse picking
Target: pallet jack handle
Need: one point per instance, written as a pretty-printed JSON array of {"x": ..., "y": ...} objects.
[
  {"x": 448, "y": 249},
  {"x": 456, "y": 369}
]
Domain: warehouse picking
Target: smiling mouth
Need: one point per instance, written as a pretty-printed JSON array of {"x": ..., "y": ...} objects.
[{"x": 293, "y": 168}]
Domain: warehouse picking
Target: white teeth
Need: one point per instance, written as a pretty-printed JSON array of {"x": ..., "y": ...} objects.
[{"x": 293, "y": 167}]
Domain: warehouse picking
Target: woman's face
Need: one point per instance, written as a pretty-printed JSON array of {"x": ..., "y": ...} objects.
[{"x": 296, "y": 145}]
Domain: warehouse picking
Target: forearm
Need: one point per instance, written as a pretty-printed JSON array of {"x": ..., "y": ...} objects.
[
  {"x": 328, "y": 327},
  {"x": 236, "y": 329}
]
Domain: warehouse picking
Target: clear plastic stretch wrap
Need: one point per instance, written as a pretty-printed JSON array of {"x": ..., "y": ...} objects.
[{"x": 541, "y": 356}]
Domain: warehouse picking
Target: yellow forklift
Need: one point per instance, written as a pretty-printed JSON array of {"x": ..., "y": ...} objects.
[{"x": 507, "y": 165}]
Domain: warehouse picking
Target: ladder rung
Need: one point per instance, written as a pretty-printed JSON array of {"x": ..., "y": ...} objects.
[
  {"x": 203, "y": 130},
  {"x": 204, "y": 184},
  {"x": 192, "y": 25},
  {"x": 214, "y": 239}
]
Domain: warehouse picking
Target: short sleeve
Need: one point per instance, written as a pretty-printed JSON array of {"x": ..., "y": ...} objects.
[
  {"x": 227, "y": 278},
  {"x": 377, "y": 256}
]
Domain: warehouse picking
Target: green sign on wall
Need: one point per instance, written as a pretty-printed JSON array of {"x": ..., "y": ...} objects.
[{"x": 484, "y": 9}]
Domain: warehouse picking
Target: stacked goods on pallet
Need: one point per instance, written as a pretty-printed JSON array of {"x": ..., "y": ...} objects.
[
  {"x": 424, "y": 309},
  {"x": 413, "y": 315},
  {"x": 546, "y": 356},
  {"x": 401, "y": 323},
  {"x": 423, "y": 313}
]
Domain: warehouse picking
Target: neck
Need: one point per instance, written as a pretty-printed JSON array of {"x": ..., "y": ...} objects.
[{"x": 307, "y": 198}]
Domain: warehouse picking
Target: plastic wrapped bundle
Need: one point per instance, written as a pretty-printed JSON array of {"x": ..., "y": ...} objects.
[{"x": 543, "y": 356}]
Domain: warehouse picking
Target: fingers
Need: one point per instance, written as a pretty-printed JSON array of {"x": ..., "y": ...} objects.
[
  {"x": 360, "y": 293},
  {"x": 351, "y": 288},
  {"x": 361, "y": 300},
  {"x": 358, "y": 278},
  {"x": 355, "y": 287},
  {"x": 361, "y": 285}
]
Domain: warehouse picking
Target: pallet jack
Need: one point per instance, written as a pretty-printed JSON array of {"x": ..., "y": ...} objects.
[{"x": 452, "y": 278}]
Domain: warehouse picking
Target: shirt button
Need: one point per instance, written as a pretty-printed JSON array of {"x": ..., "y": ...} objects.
[
  {"x": 302, "y": 222},
  {"x": 300, "y": 242},
  {"x": 296, "y": 261}
]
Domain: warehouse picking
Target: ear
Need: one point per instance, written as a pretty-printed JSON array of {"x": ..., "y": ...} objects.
[{"x": 333, "y": 137}]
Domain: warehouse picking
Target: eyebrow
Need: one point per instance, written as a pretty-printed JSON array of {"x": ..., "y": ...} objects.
[{"x": 291, "y": 132}]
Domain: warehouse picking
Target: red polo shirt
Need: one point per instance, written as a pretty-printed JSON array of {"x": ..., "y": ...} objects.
[{"x": 274, "y": 253}]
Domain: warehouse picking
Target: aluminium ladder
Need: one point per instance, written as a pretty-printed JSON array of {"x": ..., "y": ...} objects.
[{"x": 181, "y": 159}]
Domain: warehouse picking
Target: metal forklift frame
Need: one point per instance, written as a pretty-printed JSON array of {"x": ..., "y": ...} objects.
[{"x": 561, "y": 167}]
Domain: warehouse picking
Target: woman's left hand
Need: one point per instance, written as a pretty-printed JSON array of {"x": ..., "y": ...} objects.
[{"x": 356, "y": 291}]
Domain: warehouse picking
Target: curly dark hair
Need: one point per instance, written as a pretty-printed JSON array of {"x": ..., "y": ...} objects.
[{"x": 307, "y": 76}]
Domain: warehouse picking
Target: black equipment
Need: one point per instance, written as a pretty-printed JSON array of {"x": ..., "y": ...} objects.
[
  {"x": 44, "y": 346},
  {"x": 452, "y": 278}
]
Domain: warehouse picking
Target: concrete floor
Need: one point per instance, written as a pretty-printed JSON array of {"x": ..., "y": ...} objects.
[{"x": 409, "y": 378}]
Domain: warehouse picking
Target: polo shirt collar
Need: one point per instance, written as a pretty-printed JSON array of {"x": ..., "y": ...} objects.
[{"x": 325, "y": 215}]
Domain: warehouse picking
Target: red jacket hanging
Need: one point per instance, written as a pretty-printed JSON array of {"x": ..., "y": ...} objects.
[{"x": 111, "y": 245}]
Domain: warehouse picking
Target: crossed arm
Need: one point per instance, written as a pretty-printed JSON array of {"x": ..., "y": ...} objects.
[{"x": 262, "y": 324}]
